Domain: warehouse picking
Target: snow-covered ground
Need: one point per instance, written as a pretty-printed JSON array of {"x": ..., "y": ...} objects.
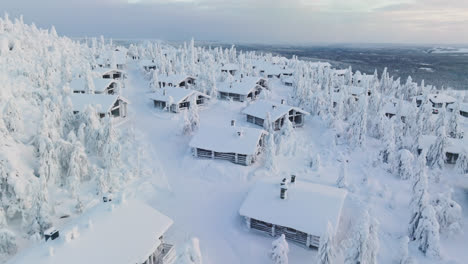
[{"x": 204, "y": 196}]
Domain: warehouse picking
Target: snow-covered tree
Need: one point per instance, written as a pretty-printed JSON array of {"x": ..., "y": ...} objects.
[
  {"x": 270, "y": 150},
  {"x": 454, "y": 127},
  {"x": 154, "y": 84},
  {"x": 388, "y": 153},
  {"x": 405, "y": 164},
  {"x": 436, "y": 153},
  {"x": 462, "y": 163},
  {"x": 77, "y": 168},
  {"x": 191, "y": 253},
  {"x": 280, "y": 250},
  {"x": 404, "y": 257},
  {"x": 342, "y": 181},
  {"x": 194, "y": 116},
  {"x": 363, "y": 246},
  {"x": 448, "y": 212},
  {"x": 12, "y": 118},
  {"x": 7, "y": 238},
  {"x": 326, "y": 251},
  {"x": 427, "y": 232},
  {"x": 287, "y": 139}
]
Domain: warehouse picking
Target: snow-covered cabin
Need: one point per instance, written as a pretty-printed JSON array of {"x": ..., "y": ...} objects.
[
  {"x": 176, "y": 80},
  {"x": 115, "y": 74},
  {"x": 128, "y": 232},
  {"x": 288, "y": 81},
  {"x": 101, "y": 86},
  {"x": 240, "y": 145},
  {"x": 391, "y": 108},
  {"x": 463, "y": 108},
  {"x": 300, "y": 210},
  {"x": 355, "y": 91},
  {"x": 230, "y": 68},
  {"x": 453, "y": 149},
  {"x": 243, "y": 89},
  {"x": 105, "y": 105},
  {"x": 437, "y": 101},
  {"x": 178, "y": 98},
  {"x": 257, "y": 112},
  {"x": 148, "y": 65},
  {"x": 340, "y": 72},
  {"x": 271, "y": 71}
]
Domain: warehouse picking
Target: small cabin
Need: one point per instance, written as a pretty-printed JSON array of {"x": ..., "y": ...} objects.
[
  {"x": 115, "y": 74},
  {"x": 401, "y": 107},
  {"x": 437, "y": 101},
  {"x": 289, "y": 81},
  {"x": 239, "y": 145},
  {"x": 105, "y": 105},
  {"x": 301, "y": 210},
  {"x": 178, "y": 98},
  {"x": 176, "y": 80},
  {"x": 241, "y": 90},
  {"x": 101, "y": 86},
  {"x": 123, "y": 232},
  {"x": 453, "y": 149},
  {"x": 230, "y": 68},
  {"x": 117, "y": 57},
  {"x": 148, "y": 65},
  {"x": 257, "y": 112},
  {"x": 463, "y": 108}
]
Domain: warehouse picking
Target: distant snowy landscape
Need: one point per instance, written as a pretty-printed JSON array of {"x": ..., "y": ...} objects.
[{"x": 230, "y": 157}]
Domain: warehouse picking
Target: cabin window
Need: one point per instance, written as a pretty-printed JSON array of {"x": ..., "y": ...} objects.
[
  {"x": 115, "y": 112},
  {"x": 184, "y": 105},
  {"x": 102, "y": 115},
  {"x": 464, "y": 114}
]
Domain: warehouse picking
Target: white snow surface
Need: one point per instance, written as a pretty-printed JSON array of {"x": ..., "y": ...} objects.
[
  {"x": 226, "y": 139},
  {"x": 260, "y": 108},
  {"x": 323, "y": 204},
  {"x": 120, "y": 233}
]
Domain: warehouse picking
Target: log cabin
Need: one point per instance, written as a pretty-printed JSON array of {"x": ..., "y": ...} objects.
[
  {"x": 124, "y": 232},
  {"x": 455, "y": 147},
  {"x": 239, "y": 145},
  {"x": 301, "y": 210},
  {"x": 244, "y": 89},
  {"x": 101, "y": 86},
  {"x": 257, "y": 112},
  {"x": 176, "y": 99},
  {"x": 115, "y": 74},
  {"x": 230, "y": 68},
  {"x": 176, "y": 80},
  {"x": 105, "y": 105},
  {"x": 437, "y": 101}
]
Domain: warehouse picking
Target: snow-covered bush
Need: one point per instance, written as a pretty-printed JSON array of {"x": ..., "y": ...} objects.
[
  {"x": 448, "y": 212},
  {"x": 326, "y": 251},
  {"x": 405, "y": 164},
  {"x": 363, "y": 245},
  {"x": 191, "y": 253}
]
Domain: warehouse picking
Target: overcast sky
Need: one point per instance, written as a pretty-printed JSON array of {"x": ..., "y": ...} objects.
[{"x": 259, "y": 21}]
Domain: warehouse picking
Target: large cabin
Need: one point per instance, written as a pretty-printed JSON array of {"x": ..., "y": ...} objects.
[
  {"x": 437, "y": 101},
  {"x": 176, "y": 99},
  {"x": 239, "y": 145},
  {"x": 454, "y": 148},
  {"x": 101, "y": 86},
  {"x": 105, "y": 105},
  {"x": 117, "y": 232},
  {"x": 244, "y": 89},
  {"x": 258, "y": 111},
  {"x": 301, "y": 210},
  {"x": 115, "y": 74}
]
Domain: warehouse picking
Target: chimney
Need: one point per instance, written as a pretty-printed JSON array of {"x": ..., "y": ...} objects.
[
  {"x": 233, "y": 122},
  {"x": 283, "y": 182},
  {"x": 239, "y": 133},
  {"x": 273, "y": 106},
  {"x": 282, "y": 101},
  {"x": 284, "y": 193},
  {"x": 293, "y": 178}
]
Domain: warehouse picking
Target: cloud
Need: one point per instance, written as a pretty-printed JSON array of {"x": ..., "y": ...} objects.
[{"x": 291, "y": 21}]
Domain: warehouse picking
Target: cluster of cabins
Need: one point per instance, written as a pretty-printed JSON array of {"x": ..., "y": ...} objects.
[
  {"x": 101, "y": 88},
  {"x": 117, "y": 232}
]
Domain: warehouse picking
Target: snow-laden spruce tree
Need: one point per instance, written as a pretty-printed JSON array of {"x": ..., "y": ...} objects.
[
  {"x": 191, "y": 254},
  {"x": 194, "y": 116},
  {"x": 326, "y": 252},
  {"x": 187, "y": 125},
  {"x": 270, "y": 150},
  {"x": 388, "y": 153},
  {"x": 39, "y": 214},
  {"x": 7, "y": 238},
  {"x": 405, "y": 164},
  {"x": 287, "y": 139},
  {"x": 12, "y": 119},
  {"x": 462, "y": 163},
  {"x": 449, "y": 214},
  {"x": 154, "y": 84},
  {"x": 436, "y": 152},
  {"x": 454, "y": 128},
  {"x": 89, "y": 82},
  {"x": 77, "y": 168},
  {"x": 363, "y": 246},
  {"x": 342, "y": 180},
  {"x": 280, "y": 250},
  {"x": 359, "y": 125}
]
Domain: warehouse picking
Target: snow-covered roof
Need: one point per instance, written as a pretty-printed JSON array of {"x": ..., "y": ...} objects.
[
  {"x": 126, "y": 233},
  {"x": 100, "y": 84},
  {"x": 463, "y": 106},
  {"x": 174, "y": 79},
  {"x": 307, "y": 208},
  {"x": 102, "y": 71},
  {"x": 454, "y": 145},
  {"x": 241, "y": 86},
  {"x": 120, "y": 57},
  {"x": 105, "y": 101},
  {"x": 177, "y": 94},
  {"x": 289, "y": 79},
  {"x": 226, "y": 139},
  {"x": 438, "y": 98},
  {"x": 392, "y": 107},
  {"x": 340, "y": 71},
  {"x": 147, "y": 63},
  {"x": 260, "y": 108},
  {"x": 354, "y": 90}
]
